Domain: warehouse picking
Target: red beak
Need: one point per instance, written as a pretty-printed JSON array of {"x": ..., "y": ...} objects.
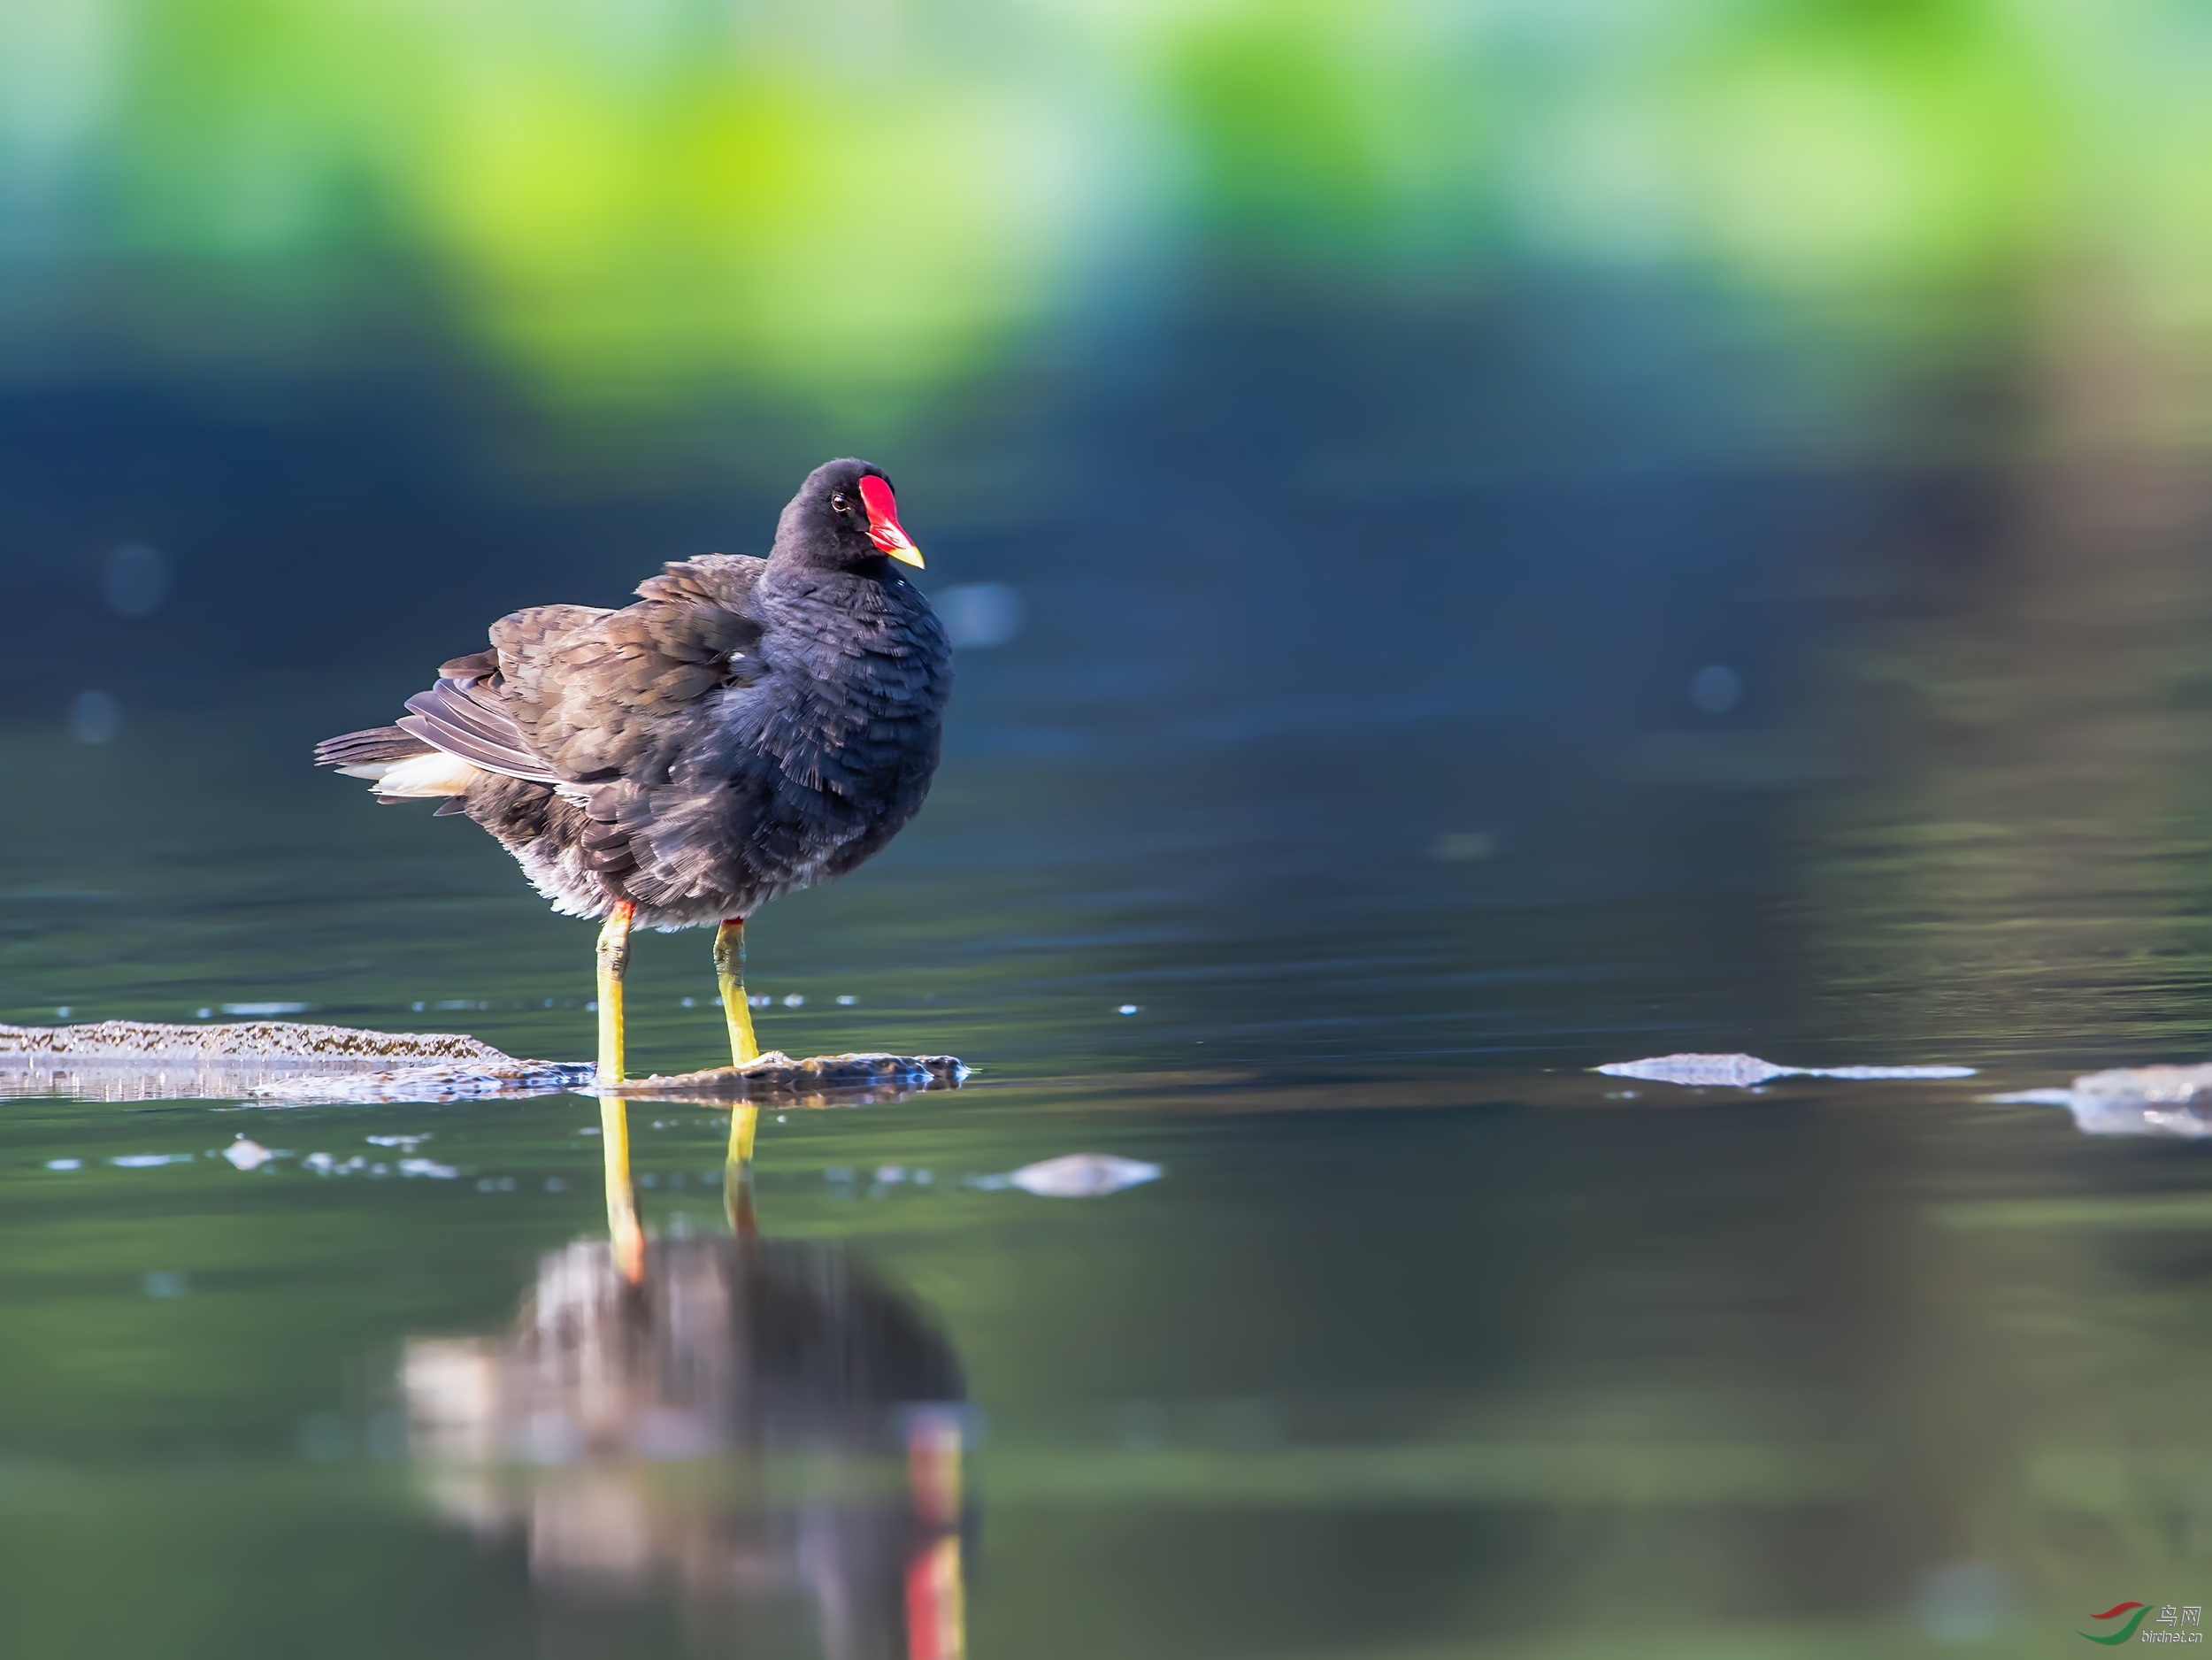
[{"x": 883, "y": 522}]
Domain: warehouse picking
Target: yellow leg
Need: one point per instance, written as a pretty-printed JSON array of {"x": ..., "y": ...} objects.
[
  {"x": 729, "y": 975},
  {"x": 625, "y": 1233},
  {"x": 614, "y": 962}
]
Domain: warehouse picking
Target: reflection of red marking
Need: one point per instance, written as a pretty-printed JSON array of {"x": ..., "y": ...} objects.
[
  {"x": 2119, "y": 1608},
  {"x": 936, "y": 1624},
  {"x": 935, "y": 1628}
]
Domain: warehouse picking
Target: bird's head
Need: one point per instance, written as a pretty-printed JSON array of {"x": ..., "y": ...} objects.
[{"x": 845, "y": 518}]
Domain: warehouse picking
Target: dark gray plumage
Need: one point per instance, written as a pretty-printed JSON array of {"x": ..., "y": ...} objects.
[{"x": 749, "y": 727}]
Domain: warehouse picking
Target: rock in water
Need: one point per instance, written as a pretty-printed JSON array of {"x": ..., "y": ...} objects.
[
  {"x": 147, "y": 1060},
  {"x": 1083, "y": 1176},
  {"x": 1732, "y": 1071},
  {"x": 1742, "y": 1071},
  {"x": 243, "y": 1040},
  {"x": 284, "y": 1063},
  {"x": 2172, "y": 1100},
  {"x": 247, "y": 1154},
  {"x": 430, "y": 1085},
  {"x": 776, "y": 1073}
]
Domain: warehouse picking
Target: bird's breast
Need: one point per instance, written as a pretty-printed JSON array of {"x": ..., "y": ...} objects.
[{"x": 844, "y": 704}]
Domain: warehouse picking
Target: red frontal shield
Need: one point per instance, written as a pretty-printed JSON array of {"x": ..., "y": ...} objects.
[{"x": 883, "y": 522}]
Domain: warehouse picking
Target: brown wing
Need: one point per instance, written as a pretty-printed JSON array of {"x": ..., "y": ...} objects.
[
  {"x": 461, "y": 718},
  {"x": 592, "y": 703},
  {"x": 593, "y": 692}
]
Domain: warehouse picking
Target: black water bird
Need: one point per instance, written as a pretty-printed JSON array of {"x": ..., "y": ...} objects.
[{"x": 749, "y": 727}]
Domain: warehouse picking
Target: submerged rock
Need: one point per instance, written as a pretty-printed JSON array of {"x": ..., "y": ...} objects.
[
  {"x": 855, "y": 1078},
  {"x": 2174, "y": 1101},
  {"x": 776, "y": 1073},
  {"x": 243, "y": 1040},
  {"x": 247, "y": 1154},
  {"x": 148, "y": 1060},
  {"x": 1083, "y": 1176},
  {"x": 1731, "y": 1072},
  {"x": 284, "y": 1063},
  {"x": 1742, "y": 1071},
  {"x": 501, "y": 1076}
]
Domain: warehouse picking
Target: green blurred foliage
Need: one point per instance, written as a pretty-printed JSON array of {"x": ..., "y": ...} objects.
[
  {"x": 639, "y": 204},
  {"x": 1898, "y": 142},
  {"x": 1330, "y": 130}
]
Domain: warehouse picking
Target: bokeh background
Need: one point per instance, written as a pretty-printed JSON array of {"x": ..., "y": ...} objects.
[{"x": 1484, "y": 539}]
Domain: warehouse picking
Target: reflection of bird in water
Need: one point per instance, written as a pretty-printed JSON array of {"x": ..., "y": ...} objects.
[
  {"x": 749, "y": 727},
  {"x": 752, "y": 1424}
]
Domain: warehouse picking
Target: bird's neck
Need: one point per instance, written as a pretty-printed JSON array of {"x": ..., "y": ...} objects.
[{"x": 874, "y": 597}]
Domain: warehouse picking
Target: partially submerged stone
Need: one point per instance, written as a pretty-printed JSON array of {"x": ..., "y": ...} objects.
[
  {"x": 1742, "y": 1071},
  {"x": 776, "y": 1074},
  {"x": 245, "y": 1153},
  {"x": 242, "y": 1039},
  {"x": 284, "y": 1063},
  {"x": 1082, "y": 1175},
  {"x": 2149, "y": 1085},
  {"x": 148, "y": 1060},
  {"x": 1731, "y": 1072},
  {"x": 504, "y": 1076},
  {"x": 855, "y": 1078},
  {"x": 2174, "y": 1101}
]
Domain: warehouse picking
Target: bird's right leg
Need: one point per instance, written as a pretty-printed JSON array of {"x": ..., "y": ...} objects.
[
  {"x": 614, "y": 962},
  {"x": 729, "y": 976}
]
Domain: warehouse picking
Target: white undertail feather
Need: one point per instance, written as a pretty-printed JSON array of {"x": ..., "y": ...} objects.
[{"x": 434, "y": 774}]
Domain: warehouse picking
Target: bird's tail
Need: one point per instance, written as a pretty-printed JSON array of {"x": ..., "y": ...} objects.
[
  {"x": 400, "y": 765},
  {"x": 378, "y": 747}
]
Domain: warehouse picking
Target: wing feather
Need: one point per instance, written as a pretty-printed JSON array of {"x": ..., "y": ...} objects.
[{"x": 450, "y": 717}]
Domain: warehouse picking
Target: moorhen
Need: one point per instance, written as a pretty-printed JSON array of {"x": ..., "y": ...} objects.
[{"x": 749, "y": 727}]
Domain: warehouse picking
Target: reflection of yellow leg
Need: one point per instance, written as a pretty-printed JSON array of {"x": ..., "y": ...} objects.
[
  {"x": 729, "y": 974},
  {"x": 623, "y": 1231},
  {"x": 737, "y": 1173},
  {"x": 614, "y": 962}
]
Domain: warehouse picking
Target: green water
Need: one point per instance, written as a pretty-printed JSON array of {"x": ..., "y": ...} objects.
[{"x": 1427, "y": 1342}]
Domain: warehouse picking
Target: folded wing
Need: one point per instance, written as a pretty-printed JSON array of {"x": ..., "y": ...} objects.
[
  {"x": 587, "y": 702},
  {"x": 459, "y": 716}
]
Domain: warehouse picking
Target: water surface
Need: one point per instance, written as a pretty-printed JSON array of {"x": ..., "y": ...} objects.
[{"x": 1360, "y": 778}]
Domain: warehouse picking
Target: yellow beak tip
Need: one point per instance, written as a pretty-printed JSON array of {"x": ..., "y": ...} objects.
[{"x": 910, "y": 556}]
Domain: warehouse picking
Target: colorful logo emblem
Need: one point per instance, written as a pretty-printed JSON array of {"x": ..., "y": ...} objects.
[{"x": 2124, "y": 1632}]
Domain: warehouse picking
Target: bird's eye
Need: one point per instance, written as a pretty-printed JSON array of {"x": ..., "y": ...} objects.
[{"x": 841, "y": 505}]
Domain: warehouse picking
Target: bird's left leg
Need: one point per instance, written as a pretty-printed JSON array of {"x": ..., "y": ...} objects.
[
  {"x": 729, "y": 976},
  {"x": 614, "y": 962}
]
